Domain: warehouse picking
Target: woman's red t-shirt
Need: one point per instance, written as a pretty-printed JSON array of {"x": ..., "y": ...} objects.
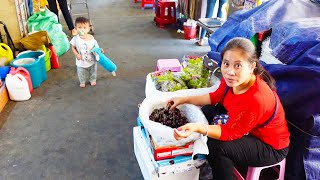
[{"x": 250, "y": 110}]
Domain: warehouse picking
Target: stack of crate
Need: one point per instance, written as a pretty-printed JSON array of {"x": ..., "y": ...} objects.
[
  {"x": 167, "y": 162},
  {"x": 164, "y": 163}
]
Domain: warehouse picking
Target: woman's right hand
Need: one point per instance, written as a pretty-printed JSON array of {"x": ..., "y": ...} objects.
[
  {"x": 176, "y": 101},
  {"x": 185, "y": 130}
]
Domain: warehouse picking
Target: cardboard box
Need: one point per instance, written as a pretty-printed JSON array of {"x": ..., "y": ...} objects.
[
  {"x": 181, "y": 167},
  {"x": 165, "y": 152},
  {"x": 3, "y": 96}
]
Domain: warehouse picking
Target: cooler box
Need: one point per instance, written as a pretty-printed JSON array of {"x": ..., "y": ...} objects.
[
  {"x": 34, "y": 62},
  {"x": 170, "y": 169}
]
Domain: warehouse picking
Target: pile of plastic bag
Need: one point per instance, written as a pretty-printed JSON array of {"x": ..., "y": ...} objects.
[{"x": 48, "y": 21}]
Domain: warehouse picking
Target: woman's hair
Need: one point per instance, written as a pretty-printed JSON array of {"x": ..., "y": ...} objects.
[
  {"x": 247, "y": 47},
  {"x": 82, "y": 20}
]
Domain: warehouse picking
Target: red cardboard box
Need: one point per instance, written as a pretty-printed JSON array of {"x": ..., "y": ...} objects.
[{"x": 166, "y": 152}]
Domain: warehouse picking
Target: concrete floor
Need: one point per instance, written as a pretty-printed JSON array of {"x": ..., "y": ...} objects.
[{"x": 65, "y": 132}]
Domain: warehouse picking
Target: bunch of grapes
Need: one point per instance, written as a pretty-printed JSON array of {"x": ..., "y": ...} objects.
[{"x": 167, "y": 117}]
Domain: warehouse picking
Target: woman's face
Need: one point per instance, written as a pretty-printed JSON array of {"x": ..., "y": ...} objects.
[{"x": 236, "y": 68}]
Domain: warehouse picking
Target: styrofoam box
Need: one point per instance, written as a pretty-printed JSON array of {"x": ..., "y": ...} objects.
[{"x": 182, "y": 168}]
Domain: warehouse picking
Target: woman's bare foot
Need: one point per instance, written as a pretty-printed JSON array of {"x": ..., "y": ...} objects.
[
  {"x": 82, "y": 85},
  {"x": 200, "y": 42},
  {"x": 74, "y": 32},
  {"x": 93, "y": 83}
]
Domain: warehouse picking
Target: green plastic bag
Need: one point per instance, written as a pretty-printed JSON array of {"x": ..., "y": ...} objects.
[{"x": 48, "y": 21}]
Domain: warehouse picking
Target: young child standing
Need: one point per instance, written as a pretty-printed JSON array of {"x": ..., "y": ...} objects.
[{"x": 81, "y": 47}]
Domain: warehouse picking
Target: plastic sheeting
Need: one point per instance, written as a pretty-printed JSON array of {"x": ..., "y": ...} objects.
[
  {"x": 245, "y": 23},
  {"x": 298, "y": 39},
  {"x": 303, "y": 158},
  {"x": 298, "y": 89}
]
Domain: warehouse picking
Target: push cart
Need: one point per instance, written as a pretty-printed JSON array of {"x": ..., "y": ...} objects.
[{"x": 82, "y": 10}]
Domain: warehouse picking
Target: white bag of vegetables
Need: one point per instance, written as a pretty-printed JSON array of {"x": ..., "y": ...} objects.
[
  {"x": 193, "y": 80},
  {"x": 161, "y": 134}
]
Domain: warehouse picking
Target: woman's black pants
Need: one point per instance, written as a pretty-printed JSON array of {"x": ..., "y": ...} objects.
[
  {"x": 64, "y": 9},
  {"x": 246, "y": 151}
]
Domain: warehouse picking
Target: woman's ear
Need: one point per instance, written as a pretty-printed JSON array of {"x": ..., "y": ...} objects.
[{"x": 253, "y": 66}]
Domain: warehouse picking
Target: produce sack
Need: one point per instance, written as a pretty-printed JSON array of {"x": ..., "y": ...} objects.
[
  {"x": 163, "y": 135},
  {"x": 48, "y": 21},
  {"x": 36, "y": 40}
]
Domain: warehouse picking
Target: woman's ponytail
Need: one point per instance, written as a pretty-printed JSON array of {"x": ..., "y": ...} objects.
[{"x": 264, "y": 74}]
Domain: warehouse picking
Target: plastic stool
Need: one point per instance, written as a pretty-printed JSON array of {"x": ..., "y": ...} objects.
[
  {"x": 147, "y": 2},
  {"x": 253, "y": 173},
  {"x": 168, "y": 64},
  {"x": 165, "y": 13}
]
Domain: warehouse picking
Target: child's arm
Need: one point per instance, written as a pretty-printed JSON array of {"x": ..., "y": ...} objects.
[
  {"x": 75, "y": 52},
  {"x": 97, "y": 45}
]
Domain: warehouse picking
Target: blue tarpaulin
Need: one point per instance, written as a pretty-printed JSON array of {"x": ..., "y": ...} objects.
[
  {"x": 295, "y": 40},
  {"x": 298, "y": 89},
  {"x": 246, "y": 23}
]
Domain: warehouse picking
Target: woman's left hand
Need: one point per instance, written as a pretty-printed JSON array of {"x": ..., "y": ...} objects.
[{"x": 185, "y": 131}]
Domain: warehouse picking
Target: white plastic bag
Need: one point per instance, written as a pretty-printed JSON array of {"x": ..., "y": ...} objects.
[
  {"x": 163, "y": 135},
  {"x": 151, "y": 90}
]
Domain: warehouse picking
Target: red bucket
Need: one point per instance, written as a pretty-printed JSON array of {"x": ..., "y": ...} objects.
[{"x": 190, "y": 32}]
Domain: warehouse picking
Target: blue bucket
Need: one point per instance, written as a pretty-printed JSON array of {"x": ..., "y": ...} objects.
[
  {"x": 34, "y": 62},
  {"x": 39, "y": 54},
  {"x": 4, "y": 70}
]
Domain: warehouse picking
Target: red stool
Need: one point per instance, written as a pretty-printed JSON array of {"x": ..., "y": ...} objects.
[
  {"x": 165, "y": 13},
  {"x": 147, "y": 2}
]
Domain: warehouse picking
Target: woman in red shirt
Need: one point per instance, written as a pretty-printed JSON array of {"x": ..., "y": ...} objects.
[{"x": 256, "y": 132}]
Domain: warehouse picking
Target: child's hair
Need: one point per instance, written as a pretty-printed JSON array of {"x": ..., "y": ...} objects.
[{"x": 82, "y": 20}]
